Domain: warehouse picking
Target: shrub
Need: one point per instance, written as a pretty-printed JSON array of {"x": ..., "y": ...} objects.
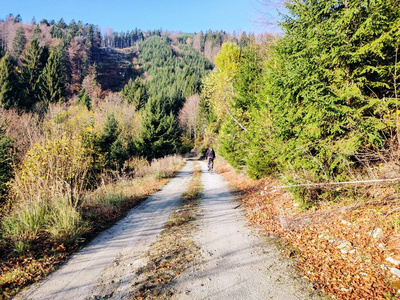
[
  {"x": 55, "y": 169},
  {"x": 5, "y": 163}
]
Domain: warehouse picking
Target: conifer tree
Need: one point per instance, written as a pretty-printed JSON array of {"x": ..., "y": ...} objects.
[
  {"x": 84, "y": 99},
  {"x": 33, "y": 61},
  {"x": 160, "y": 132},
  {"x": 9, "y": 83},
  {"x": 52, "y": 82},
  {"x": 135, "y": 92},
  {"x": 19, "y": 42}
]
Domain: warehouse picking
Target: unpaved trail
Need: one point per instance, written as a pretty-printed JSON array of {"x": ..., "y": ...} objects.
[
  {"x": 236, "y": 263},
  {"x": 104, "y": 269}
]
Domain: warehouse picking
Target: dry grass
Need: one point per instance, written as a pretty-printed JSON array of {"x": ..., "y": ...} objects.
[{"x": 173, "y": 251}]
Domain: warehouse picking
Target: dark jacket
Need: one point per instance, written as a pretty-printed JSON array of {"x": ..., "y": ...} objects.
[{"x": 210, "y": 153}]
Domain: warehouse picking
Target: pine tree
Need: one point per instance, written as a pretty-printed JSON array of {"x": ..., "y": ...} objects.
[
  {"x": 160, "y": 133},
  {"x": 9, "y": 83},
  {"x": 52, "y": 82},
  {"x": 19, "y": 42},
  {"x": 33, "y": 61}
]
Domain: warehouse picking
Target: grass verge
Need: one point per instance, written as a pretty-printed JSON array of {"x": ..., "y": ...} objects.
[{"x": 174, "y": 250}]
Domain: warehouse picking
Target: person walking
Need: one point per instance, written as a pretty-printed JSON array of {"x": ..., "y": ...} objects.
[{"x": 210, "y": 155}]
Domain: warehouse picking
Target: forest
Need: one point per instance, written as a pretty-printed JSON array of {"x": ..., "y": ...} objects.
[{"x": 317, "y": 104}]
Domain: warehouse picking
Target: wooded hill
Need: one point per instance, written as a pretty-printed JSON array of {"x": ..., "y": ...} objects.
[{"x": 80, "y": 108}]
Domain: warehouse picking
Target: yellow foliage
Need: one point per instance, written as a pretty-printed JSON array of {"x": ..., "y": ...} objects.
[{"x": 56, "y": 168}]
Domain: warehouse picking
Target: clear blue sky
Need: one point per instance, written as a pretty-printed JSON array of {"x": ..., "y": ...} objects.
[{"x": 120, "y": 15}]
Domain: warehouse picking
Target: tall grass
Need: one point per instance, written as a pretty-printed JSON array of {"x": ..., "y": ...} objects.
[
  {"x": 65, "y": 223},
  {"x": 24, "y": 223}
]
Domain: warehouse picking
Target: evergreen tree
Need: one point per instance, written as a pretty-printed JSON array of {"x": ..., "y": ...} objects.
[
  {"x": 89, "y": 36},
  {"x": 33, "y": 61},
  {"x": 135, "y": 92},
  {"x": 73, "y": 29},
  {"x": 109, "y": 142},
  {"x": 37, "y": 32},
  {"x": 52, "y": 80},
  {"x": 328, "y": 87},
  {"x": 160, "y": 133},
  {"x": 84, "y": 98},
  {"x": 56, "y": 32},
  {"x": 5, "y": 163},
  {"x": 9, "y": 83},
  {"x": 19, "y": 42}
]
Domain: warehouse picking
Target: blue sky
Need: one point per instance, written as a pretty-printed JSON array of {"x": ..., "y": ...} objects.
[{"x": 122, "y": 15}]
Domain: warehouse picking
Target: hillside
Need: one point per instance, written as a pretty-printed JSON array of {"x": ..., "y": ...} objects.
[
  {"x": 310, "y": 121},
  {"x": 115, "y": 67}
]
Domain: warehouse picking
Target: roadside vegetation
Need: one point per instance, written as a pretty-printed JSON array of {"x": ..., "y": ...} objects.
[
  {"x": 312, "y": 117},
  {"x": 347, "y": 249}
]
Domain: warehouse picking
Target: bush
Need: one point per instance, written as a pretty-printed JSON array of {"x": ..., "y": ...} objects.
[{"x": 55, "y": 169}]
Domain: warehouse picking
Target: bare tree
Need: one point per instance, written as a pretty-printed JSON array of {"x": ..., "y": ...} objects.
[{"x": 188, "y": 115}]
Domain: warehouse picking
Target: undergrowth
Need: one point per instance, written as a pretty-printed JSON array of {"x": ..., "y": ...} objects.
[
  {"x": 45, "y": 233},
  {"x": 333, "y": 242}
]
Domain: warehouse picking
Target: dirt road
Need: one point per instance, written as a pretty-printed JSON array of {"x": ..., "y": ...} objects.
[
  {"x": 105, "y": 268},
  {"x": 236, "y": 263}
]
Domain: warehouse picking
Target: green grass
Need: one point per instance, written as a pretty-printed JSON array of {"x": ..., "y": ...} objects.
[
  {"x": 23, "y": 225},
  {"x": 65, "y": 223}
]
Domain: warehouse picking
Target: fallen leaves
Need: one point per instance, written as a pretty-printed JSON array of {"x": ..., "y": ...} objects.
[{"x": 341, "y": 247}]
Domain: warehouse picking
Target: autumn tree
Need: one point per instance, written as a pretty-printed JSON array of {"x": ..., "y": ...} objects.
[{"x": 188, "y": 115}]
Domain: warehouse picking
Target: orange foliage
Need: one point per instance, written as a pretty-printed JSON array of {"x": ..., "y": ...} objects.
[{"x": 335, "y": 248}]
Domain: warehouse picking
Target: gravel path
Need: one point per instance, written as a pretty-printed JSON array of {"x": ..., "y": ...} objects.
[
  {"x": 237, "y": 263},
  {"x": 105, "y": 268}
]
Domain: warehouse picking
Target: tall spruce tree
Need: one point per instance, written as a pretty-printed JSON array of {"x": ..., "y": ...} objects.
[
  {"x": 52, "y": 79},
  {"x": 135, "y": 92},
  {"x": 160, "y": 132},
  {"x": 9, "y": 83},
  {"x": 33, "y": 61},
  {"x": 328, "y": 86},
  {"x": 19, "y": 42}
]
